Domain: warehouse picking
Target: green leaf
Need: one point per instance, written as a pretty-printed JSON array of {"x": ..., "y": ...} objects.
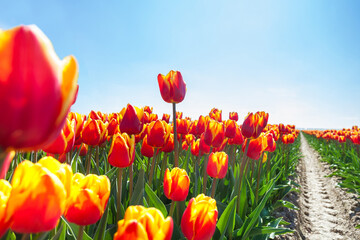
[
  {"x": 137, "y": 196},
  {"x": 227, "y": 219},
  {"x": 74, "y": 230},
  {"x": 60, "y": 234},
  {"x": 100, "y": 231},
  {"x": 268, "y": 230},
  {"x": 154, "y": 200}
]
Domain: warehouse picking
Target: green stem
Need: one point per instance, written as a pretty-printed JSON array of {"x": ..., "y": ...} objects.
[
  {"x": 213, "y": 187},
  {"x": 88, "y": 161},
  {"x": 176, "y": 150},
  {"x": 258, "y": 179},
  {"x": 119, "y": 193},
  {"x": 205, "y": 173},
  {"x": 152, "y": 167},
  {"x": 172, "y": 208},
  {"x": 97, "y": 158},
  {"x": 196, "y": 167},
  {"x": 81, "y": 233},
  {"x": 242, "y": 166},
  {"x": 131, "y": 180},
  {"x": 25, "y": 236}
]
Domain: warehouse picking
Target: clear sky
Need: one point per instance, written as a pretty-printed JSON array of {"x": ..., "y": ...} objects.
[{"x": 297, "y": 60}]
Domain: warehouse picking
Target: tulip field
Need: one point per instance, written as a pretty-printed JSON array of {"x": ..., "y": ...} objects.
[
  {"x": 134, "y": 174},
  {"x": 341, "y": 149}
]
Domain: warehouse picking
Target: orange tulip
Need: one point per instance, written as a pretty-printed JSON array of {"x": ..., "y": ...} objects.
[
  {"x": 65, "y": 141},
  {"x": 195, "y": 147},
  {"x": 182, "y": 126},
  {"x": 38, "y": 196},
  {"x": 179, "y": 115},
  {"x": 254, "y": 124},
  {"x": 271, "y": 144},
  {"x": 166, "y": 117},
  {"x": 172, "y": 87},
  {"x": 217, "y": 165},
  {"x": 203, "y": 147},
  {"x": 199, "y": 219},
  {"x": 88, "y": 199},
  {"x": 158, "y": 133},
  {"x": 142, "y": 223},
  {"x": 122, "y": 150},
  {"x": 37, "y": 89},
  {"x": 146, "y": 149},
  {"x": 215, "y": 114},
  {"x": 256, "y": 147},
  {"x": 148, "y": 109},
  {"x": 94, "y": 132},
  {"x": 234, "y": 116},
  {"x": 230, "y": 128},
  {"x": 169, "y": 145},
  {"x": 132, "y": 120},
  {"x": 214, "y": 134},
  {"x": 201, "y": 125},
  {"x": 83, "y": 150},
  {"x": 5, "y": 190},
  {"x": 79, "y": 123},
  {"x": 113, "y": 124},
  {"x": 193, "y": 128},
  {"x": 176, "y": 184},
  {"x": 238, "y": 139}
]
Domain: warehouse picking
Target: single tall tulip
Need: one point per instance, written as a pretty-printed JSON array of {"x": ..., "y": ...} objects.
[
  {"x": 88, "y": 199},
  {"x": 199, "y": 219},
  {"x": 144, "y": 224},
  {"x": 173, "y": 90},
  {"x": 37, "y": 89},
  {"x": 38, "y": 196}
]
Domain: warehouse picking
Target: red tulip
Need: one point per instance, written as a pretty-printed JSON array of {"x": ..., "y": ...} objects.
[
  {"x": 217, "y": 165},
  {"x": 176, "y": 184},
  {"x": 146, "y": 149},
  {"x": 37, "y": 89},
  {"x": 158, "y": 133},
  {"x": 172, "y": 87},
  {"x": 166, "y": 117},
  {"x": 5, "y": 190},
  {"x": 254, "y": 124},
  {"x": 214, "y": 134},
  {"x": 234, "y": 116},
  {"x": 122, "y": 151},
  {"x": 131, "y": 122}
]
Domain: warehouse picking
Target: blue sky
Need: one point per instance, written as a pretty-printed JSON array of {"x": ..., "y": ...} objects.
[{"x": 297, "y": 60}]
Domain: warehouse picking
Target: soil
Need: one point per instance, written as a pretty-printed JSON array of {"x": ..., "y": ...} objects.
[{"x": 325, "y": 210}]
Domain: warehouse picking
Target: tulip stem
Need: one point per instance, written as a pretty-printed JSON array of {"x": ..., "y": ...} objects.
[
  {"x": 205, "y": 174},
  {"x": 152, "y": 167},
  {"x": 268, "y": 167},
  {"x": 260, "y": 163},
  {"x": 242, "y": 166},
  {"x": 97, "y": 158},
  {"x": 172, "y": 208},
  {"x": 88, "y": 161},
  {"x": 81, "y": 233},
  {"x": 176, "y": 150},
  {"x": 213, "y": 187},
  {"x": 120, "y": 173},
  {"x": 131, "y": 180}
]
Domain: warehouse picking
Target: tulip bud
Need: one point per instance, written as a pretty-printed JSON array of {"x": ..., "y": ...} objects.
[{"x": 172, "y": 87}]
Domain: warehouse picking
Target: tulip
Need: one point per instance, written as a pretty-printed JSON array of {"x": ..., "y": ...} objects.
[
  {"x": 38, "y": 196},
  {"x": 122, "y": 150},
  {"x": 176, "y": 184},
  {"x": 195, "y": 147},
  {"x": 37, "y": 89},
  {"x": 5, "y": 190},
  {"x": 215, "y": 114},
  {"x": 238, "y": 139},
  {"x": 179, "y": 115},
  {"x": 65, "y": 141},
  {"x": 230, "y": 128},
  {"x": 201, "y": 125},
  {"x": 169, "y": 145},
  {"x": 113, "y": 126},
  {"x": 234, "y": 116},
  {"x": 199, "y": 219},
  {"x": 214, "y": 134},
  {"x": 158, "y": 133},
  {"x": 83, "y": 150},
  {"x": 146, "y": 149},
  {"x": 132, "y": 120},
  {"x": 88, "y": 199},
  {"x": 203, "y": 147},
  {"x": 148, "y": 109},
  {"x": 172, "y": 87},
  {"x": 254, "y": 124},
  {"x": 217, "y": 165},
  {"x": 94, "y": 132},
  {"x": 144, "y": 224},
  {"x": 166, "y": 117},
  {"x": 79, "y": 123},
  {"x": 256, "y": 147},
  {"x": 182, "y": 126}
]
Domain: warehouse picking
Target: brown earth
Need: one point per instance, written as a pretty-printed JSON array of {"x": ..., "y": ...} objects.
[{"x": 325, "y": 210}]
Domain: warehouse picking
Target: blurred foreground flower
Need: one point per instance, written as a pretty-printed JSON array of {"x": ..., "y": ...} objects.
[
  {"x": 39, "y": 195},
  {"x": 5, "y": 190},
  {"x": 37, "y": 89}
]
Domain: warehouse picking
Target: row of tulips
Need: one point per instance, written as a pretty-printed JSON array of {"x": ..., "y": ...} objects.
[
  {"x": 341, "y": 149},
  {"x": 200, "y": 179},
  {"x": 224, "y": 161}
]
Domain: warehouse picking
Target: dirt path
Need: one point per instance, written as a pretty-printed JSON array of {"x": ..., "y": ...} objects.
[{"x": 326, "y": 211}]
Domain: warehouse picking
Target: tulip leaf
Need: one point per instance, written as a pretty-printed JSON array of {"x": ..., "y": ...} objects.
[
  {"x": 137, "y": 196},
  {"x": 100, "y": 231},
  {"x": 61, "y": 232},
  {"x": 154, "y": 200},
  {"x": 227, "y": 219},
  {"x": 74, "y": 230}
]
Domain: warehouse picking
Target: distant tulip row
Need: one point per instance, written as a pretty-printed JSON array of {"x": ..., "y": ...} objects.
[{"x": 341, "y": 136}]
